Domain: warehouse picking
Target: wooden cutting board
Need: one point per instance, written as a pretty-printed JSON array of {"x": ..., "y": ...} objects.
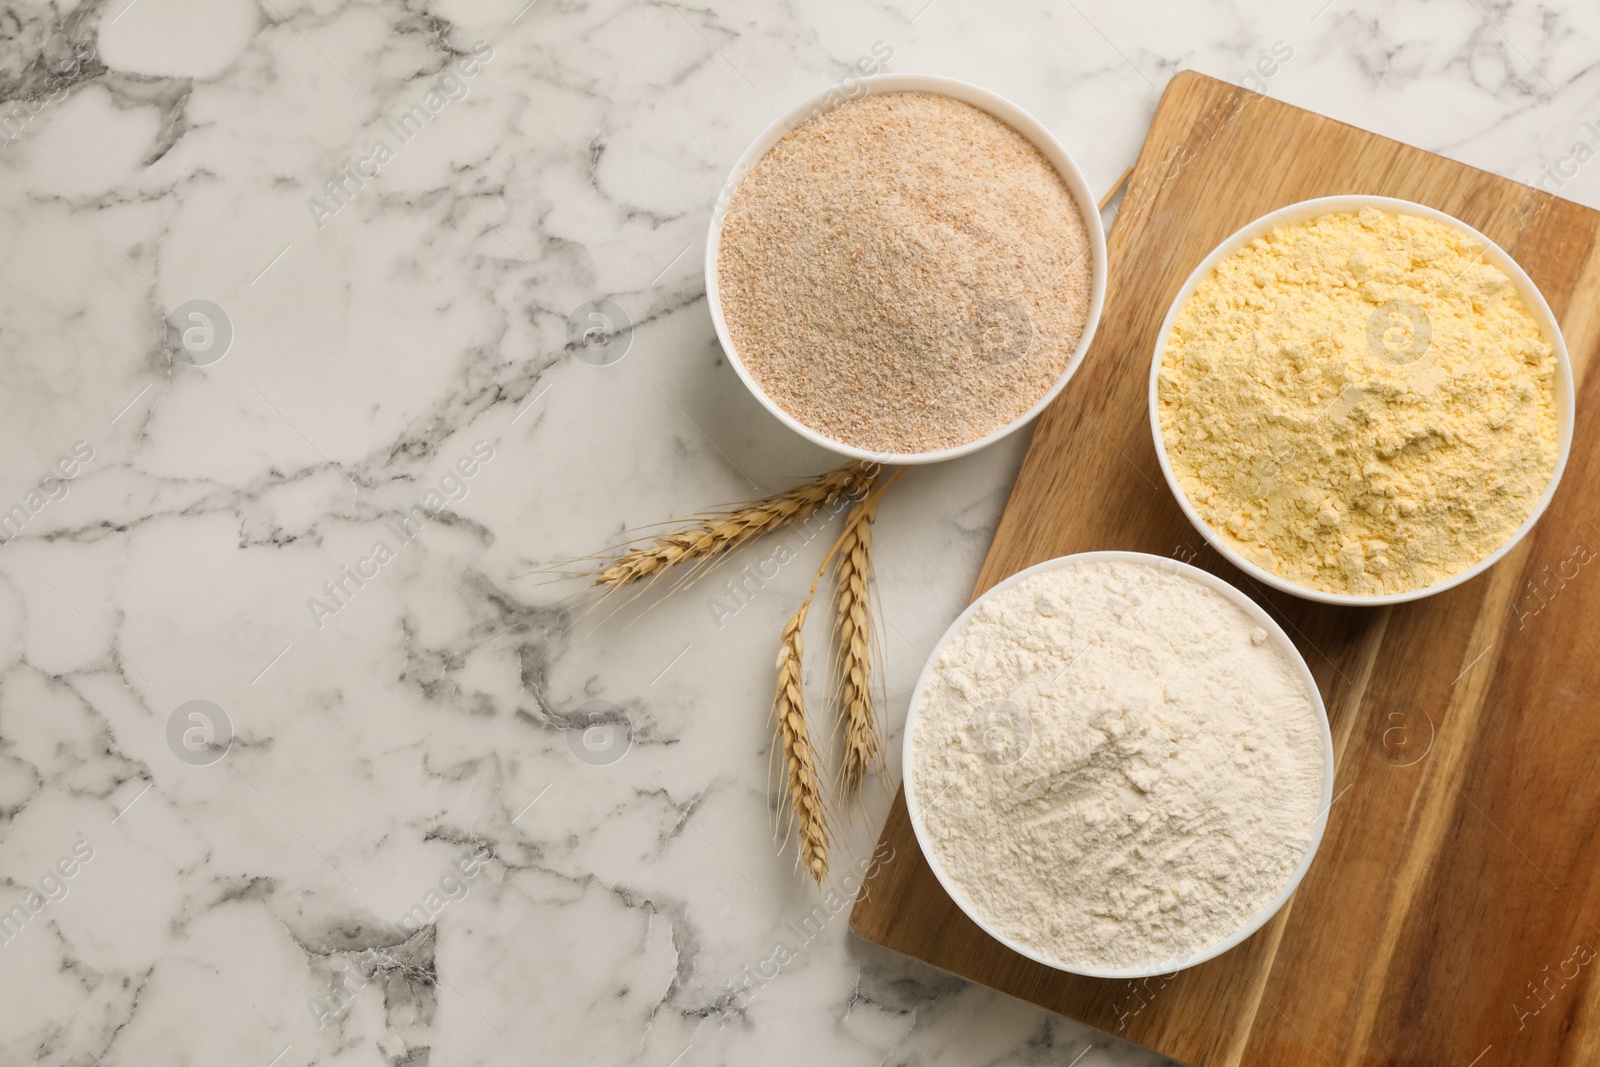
[{"x": 1452, "y": 915}]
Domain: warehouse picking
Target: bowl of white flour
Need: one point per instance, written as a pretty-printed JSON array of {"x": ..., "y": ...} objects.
[{"x": 1117, "y": 764}]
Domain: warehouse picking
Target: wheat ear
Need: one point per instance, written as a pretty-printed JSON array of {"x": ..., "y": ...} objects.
[
  {"x": 808, "y": 814},
  {"x": 806, "y": 810},
  {"x": 852, "y": 633},
  {"x": 722, "y": 531}
]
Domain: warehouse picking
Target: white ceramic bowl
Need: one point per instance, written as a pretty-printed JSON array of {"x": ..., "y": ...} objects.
[
  {"x": 1256, "y": 615},
  {"x": 997, "y": 106},
  {"x": 1494, "y": 254}
]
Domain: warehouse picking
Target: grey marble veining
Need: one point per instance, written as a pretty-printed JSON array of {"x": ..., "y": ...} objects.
[{"x": 293, "y": 760}]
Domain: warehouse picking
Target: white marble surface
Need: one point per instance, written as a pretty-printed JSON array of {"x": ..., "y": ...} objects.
[{"x": 612, "y": 907}]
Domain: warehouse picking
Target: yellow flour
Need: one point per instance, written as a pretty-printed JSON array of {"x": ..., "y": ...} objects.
[{"x": 1359, "y": 403}]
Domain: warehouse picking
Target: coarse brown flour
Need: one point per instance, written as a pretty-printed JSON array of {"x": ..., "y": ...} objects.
[
  {"x": 904, "y": 273},
  {"x": 1115, "y": 766}
]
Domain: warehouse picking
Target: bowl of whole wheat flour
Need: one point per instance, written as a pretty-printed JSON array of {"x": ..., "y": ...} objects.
[
  {"x": 1117, "y": 764},
  {"x": 908, "y": 274}
]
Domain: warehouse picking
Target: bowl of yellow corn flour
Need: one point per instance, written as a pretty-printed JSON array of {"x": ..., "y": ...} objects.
[{"x": 1361, "y": 400}]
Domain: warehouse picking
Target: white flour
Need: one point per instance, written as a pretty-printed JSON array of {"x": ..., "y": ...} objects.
[{"x": 1115, "y": 766}]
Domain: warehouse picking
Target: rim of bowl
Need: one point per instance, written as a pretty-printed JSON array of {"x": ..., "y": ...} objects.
[
  {"x": 1499, "y": 257},
  {"x": 1001, "y": 108},
  {"x": 1257, "y": 615}
]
